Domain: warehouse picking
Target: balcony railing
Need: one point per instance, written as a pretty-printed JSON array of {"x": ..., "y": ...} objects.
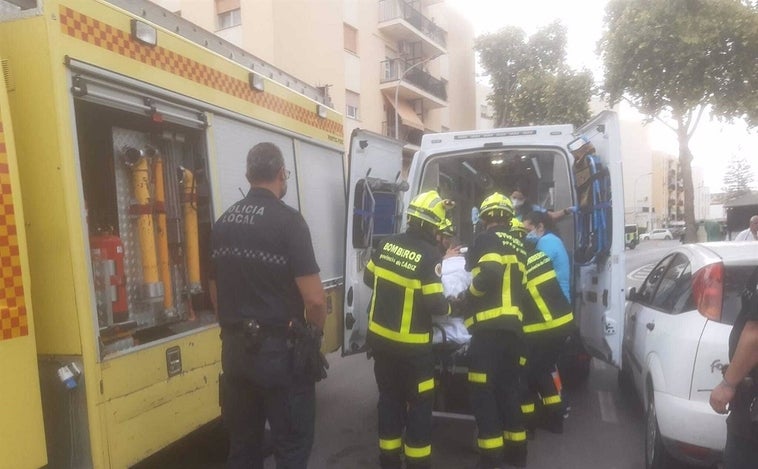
[
  {"x": 399, "y": 9},
  {"x": 393, "y": 70}
]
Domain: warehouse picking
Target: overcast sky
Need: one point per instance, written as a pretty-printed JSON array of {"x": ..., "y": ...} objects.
[{"x": 713, "y": 143}]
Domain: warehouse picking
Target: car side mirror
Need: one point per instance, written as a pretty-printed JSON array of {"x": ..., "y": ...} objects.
[{"x": 632, "y": 295}]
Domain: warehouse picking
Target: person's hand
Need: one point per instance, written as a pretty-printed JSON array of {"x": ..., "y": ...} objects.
[
  {"x": 568, "y": 210},
  {"x": 453, "y": 252},
  {"x": 721, "y": 396}
]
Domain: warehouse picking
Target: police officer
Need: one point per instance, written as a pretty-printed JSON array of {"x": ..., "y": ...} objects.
[
  {"x": 548, "y": 322},
  {"x": 404, "y": 273},
  {"x": 497, "y": 261},
  {"x": 739, "y": 387},
  {"x": 266, "y": 276}
]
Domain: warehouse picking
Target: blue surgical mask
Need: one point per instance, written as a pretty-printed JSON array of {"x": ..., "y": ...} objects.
[{"x": 532, "y": 236}]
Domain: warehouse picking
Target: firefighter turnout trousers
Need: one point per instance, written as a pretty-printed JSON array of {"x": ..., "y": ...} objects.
[
  {"x": 542, "y": 401},
  {"x": 406, "y": 396},
  {"x": 495, "y": 369}
]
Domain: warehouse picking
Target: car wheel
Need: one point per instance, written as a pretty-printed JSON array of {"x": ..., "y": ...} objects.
[
  {"x": 667, "y": 238},
  {"x": 656, "y": 456}
]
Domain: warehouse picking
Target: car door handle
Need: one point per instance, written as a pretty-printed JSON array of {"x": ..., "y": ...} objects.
[{"x": 650, "y": 326}]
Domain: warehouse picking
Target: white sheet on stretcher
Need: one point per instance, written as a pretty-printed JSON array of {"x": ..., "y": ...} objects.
[
  {"x": 455, "y": 331},
  {"x": 455, "y": 280}
]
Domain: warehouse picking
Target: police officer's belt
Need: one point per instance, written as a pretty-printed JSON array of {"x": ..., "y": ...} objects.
[{"x": 251, "y": 327}]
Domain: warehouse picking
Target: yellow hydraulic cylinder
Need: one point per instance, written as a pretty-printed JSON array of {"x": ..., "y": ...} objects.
[
  {"x": 192, "y": 246},
  {"x": 163, "y": 258},
  {"x": 146, "y": 230}
]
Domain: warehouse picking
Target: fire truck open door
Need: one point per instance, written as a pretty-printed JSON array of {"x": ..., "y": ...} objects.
[{"x": 21, "y": 428}]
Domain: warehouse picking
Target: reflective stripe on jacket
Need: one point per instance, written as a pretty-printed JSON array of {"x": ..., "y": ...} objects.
[
  {"x": 546, "y": 309},
  {"x": 404, "y": 274},
  {"x": 498, "y": 265}
]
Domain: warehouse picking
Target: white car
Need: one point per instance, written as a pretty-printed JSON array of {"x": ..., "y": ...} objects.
[
  {"x": 676, "y": 331},
  {"x": 660, "y": 233}
]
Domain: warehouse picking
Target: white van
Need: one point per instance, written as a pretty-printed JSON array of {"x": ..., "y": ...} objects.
[{"x": 468, "y": 166}]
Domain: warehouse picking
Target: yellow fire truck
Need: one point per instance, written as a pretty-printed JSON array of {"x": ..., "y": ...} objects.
[{"x": 123, "y": 134}]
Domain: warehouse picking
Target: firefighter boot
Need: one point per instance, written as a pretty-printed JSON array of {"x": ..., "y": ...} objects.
[
  {"x": 515, "y": 455},
  {"x": 553, "y": 422}
]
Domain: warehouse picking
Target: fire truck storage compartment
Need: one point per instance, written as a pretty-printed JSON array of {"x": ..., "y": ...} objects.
[{"x": 147, "y": 198}]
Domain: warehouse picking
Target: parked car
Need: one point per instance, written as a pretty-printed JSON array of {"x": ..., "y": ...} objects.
[
  {"x": 660, "y": 233},
  {"x": 675, "y": 346}
]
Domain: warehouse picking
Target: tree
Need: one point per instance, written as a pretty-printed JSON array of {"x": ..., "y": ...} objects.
[
  {"x": 675, "y": 59},
  {"x": 530, "y": 80},
  {"x": 738, "y": 178}
]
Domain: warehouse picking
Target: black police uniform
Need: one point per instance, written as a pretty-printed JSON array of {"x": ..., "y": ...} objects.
[
  {"x": 496, "y": 353},
  {"x": 742, "y": 424},
  {"x": 404, "y": 272},
  {"x": 260, "y": 245},
  {"x": 548, "y": 321}
]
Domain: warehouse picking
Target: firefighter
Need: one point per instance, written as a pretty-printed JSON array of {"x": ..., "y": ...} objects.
[
  {"x": 497, "y": 261},
  {"x": 404, "y": 272},
  {"x": 548, "y": 322}
]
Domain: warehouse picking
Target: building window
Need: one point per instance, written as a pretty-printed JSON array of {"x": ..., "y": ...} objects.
[
  {"x": 484, "y": 111},
  {"x": 351, "y": 38},
  {"x": 229, "y": 19},
  {"x": 352, "y": 105},
  {"x": 228, "y": 13}
]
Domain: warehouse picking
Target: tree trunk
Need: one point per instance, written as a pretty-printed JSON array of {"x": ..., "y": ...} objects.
[{"x": 685, "y": 164}]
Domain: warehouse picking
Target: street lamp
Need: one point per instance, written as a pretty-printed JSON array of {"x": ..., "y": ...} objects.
[
  {"x": 397, "y": 88},
  {"x": 637, "y": 180}
]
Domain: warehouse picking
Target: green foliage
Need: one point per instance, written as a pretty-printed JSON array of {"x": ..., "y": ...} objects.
[
  {"x": 530, "y": 79},
  {"x": 673, "y": 59},
  {"x": 675, "y": 55},
  {"x": 738, "y": 178}
]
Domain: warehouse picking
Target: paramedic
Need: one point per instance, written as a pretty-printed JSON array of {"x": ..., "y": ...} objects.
[
  {"x": 266, "y": 276},
  {"x": 548, "y": 322},
  {"x": 541, "y": 233},
  {"x": 739, "y": 386},
  {"x": 497, "y": 261},
  {"x": 404, "y": 273},
  {"x": 522, "y": 206}
]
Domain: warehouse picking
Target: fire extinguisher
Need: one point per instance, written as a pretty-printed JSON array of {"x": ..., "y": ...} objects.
[{"x": 111, "y": 251}]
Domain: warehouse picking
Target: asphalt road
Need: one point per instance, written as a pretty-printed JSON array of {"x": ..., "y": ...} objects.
[{"x": 604, "y": 430}]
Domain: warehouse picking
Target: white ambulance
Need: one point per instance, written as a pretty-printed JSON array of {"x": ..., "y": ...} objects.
[{"x": 468, "y": 166}]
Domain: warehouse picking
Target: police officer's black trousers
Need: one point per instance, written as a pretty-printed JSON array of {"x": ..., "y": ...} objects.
[
  {"x": 289, "y": 407},
  {"x": 542, "y": 398},
  {"x": 406, "y": 394},
  {"x": 494, "y": 382}
]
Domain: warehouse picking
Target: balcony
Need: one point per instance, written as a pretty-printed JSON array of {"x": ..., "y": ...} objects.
[
  {"x": 412, "y": 83},
  {"x": 401, "y": 21}
]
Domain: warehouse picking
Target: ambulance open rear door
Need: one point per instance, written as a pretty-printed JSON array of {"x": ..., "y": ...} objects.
[
  {"x": 374, "y": 210},
  {"x": 22, "y": 434},
  {"x": 600, "y": 280}
]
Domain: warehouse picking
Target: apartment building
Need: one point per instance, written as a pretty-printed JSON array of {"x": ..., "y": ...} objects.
[
  {"x": 667, "y": 191},
  {"x": 396, "y": 67}
]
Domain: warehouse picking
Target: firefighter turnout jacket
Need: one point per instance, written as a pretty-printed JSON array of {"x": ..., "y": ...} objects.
[
  {"x": 497, "y": 261},
  {"x": 404, "y": 272},
  {"x": 547, "y": 313}
]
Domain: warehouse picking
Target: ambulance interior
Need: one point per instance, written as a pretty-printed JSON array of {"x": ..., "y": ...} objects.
[
  {"x": 543, "y": 176},
  {"x": 147, "y": 198}
]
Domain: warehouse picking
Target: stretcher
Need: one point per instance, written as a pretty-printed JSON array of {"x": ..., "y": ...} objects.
[{"x": 450, "y": 346}]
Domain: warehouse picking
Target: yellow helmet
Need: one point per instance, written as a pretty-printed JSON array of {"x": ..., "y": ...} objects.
[
  {"x": 428, "y": 207},
  {"x": 496, "y": 205},
  {"x": 447, "y": 228},
  {"x": 518, "y": 228}
]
